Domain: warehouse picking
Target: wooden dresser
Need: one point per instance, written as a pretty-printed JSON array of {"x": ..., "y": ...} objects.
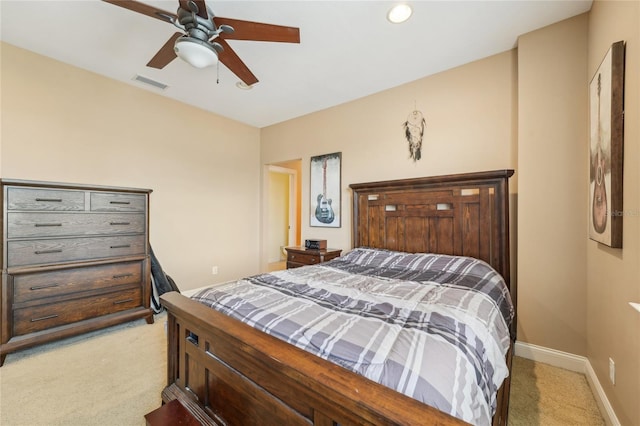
[
  {"x": 75, "y": 258},
  {"x": 300, "y": 256}
]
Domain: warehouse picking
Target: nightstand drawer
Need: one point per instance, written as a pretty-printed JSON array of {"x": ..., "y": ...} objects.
[
  {"x": 43, "y": 285},
  {"x": 25, "y": 225},
  {"x": 37, "y": 252},
  {"x": 300, "y": 256},
  {"x": 304, "y": 258},
  {"x": 29, "y": 320},
  {"x": 44, "y": 199},
  {"x": 117, "y": 202}
]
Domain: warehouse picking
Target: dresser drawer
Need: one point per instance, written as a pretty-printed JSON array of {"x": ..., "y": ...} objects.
[
  {"x": 36, "y": 252},
  {"x": 37, "y": 318},
  {"x": 117, "y": 202},
  {"x": 21, "y": 224},
  {"x": 44, "y": 199},
  {"x": 42, "y": 285}
]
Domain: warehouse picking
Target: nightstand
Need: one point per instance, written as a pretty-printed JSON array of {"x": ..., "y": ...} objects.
[{"x": 299, "y": 256}]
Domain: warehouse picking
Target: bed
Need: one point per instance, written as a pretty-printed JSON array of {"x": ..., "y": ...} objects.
[{"x": 415, "y": 325}]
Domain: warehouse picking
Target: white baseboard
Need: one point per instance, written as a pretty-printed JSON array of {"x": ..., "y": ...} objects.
[
  {"x": 575, "y": 363},
  {"x": 552, "y": 357}
]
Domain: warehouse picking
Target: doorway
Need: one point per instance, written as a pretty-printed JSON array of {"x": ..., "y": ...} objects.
[{"x": 282, "y": 212}]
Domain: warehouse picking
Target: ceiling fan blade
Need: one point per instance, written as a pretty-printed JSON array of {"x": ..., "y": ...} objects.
[
  {"x": 257, "y": 31},
  {"x": 145, "y": 9},
  {"x": 202, "y": 7},
  {"x": 232, "y": 61},
  {"x": 166, "y": 53}
]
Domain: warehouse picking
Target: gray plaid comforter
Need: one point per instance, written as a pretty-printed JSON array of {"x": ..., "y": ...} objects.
[{"x": 433, "y": 327}]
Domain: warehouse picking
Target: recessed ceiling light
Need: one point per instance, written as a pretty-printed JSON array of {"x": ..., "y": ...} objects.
[
  {"x": 399, "y": 13},
  {"x": 244, "y": 86}
]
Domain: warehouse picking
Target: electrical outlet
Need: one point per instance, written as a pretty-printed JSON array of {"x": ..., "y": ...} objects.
[
  {"x": 612, "y": 371},
  {"x": 214, "y": 270}
]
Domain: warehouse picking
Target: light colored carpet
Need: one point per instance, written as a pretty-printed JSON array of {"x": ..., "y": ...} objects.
[
  {"x": 115, "y": 376},
  {"x": 108, "y": 377},
  {"x": 550, "y": 396}
]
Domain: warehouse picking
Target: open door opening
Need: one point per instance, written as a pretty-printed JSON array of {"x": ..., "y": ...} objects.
[{"x": 281, "y": 221}]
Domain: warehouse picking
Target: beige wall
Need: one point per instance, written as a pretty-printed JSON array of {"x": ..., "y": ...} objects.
[
  {"x": 470, "y": 127},
  {"x": 613, "y": 275},
  {"x": 552, "y": 155},
  {"x": 60, "y": 123}
]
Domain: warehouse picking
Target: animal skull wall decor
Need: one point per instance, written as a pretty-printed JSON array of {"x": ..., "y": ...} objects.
[{"x": 414, "y": 131}]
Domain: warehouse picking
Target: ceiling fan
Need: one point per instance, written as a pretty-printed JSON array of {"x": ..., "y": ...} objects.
[{"x": 202, "y": 41}]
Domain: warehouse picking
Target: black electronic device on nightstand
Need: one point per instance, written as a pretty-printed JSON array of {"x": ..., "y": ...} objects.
[{"x": 315, "y": 244}]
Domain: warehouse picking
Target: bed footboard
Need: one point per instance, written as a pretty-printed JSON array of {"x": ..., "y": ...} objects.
[{"x": 241, "y": 376}]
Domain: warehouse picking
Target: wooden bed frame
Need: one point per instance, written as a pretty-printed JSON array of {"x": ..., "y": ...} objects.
[{"x": 226, "y": 372}]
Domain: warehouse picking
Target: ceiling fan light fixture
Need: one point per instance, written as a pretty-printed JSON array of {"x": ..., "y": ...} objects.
[
  {"x": 399, "y": 13},
  {"x": 195, "y": 52}
]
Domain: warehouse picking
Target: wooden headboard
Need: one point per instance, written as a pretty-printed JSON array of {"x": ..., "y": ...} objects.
[{"x": 462, "y": 214}]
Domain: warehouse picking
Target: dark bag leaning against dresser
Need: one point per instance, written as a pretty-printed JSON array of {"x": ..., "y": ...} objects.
[{"x": 161, "y": 283}]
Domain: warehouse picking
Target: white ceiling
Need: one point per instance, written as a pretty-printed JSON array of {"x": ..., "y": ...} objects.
[{"x": 348, "y": 49}]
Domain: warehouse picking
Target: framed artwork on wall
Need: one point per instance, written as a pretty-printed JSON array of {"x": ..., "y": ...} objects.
[
  {"x": 606, "y": 116},
  {"x": 325, "y": 195}
]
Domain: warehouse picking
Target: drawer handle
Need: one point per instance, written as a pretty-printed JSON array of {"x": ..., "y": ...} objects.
[
  {"x": 117, "y": 277},
  {"x": 119, "y": 223},
  {"x": 37, "y": 225},
  {"x": 293, "y": 256},
  {"x": 119, "y": 202},
  {"x": 121, "y": 246},
  {"x": 43, "y": 318},
  {"x": 52, "y": 200},
  {"x": 41, "y": 287},
  {"x": 48, "y": 251},
  {"x": 122, "y": 301}
]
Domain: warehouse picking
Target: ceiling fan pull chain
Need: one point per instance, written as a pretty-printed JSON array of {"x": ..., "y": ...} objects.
[{"x": 218, "y": 72}]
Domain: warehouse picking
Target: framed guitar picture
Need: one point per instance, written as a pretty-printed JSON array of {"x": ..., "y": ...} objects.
[
  {"x": 325, "y": 196},
  {"x": 606, "y": 116}
]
